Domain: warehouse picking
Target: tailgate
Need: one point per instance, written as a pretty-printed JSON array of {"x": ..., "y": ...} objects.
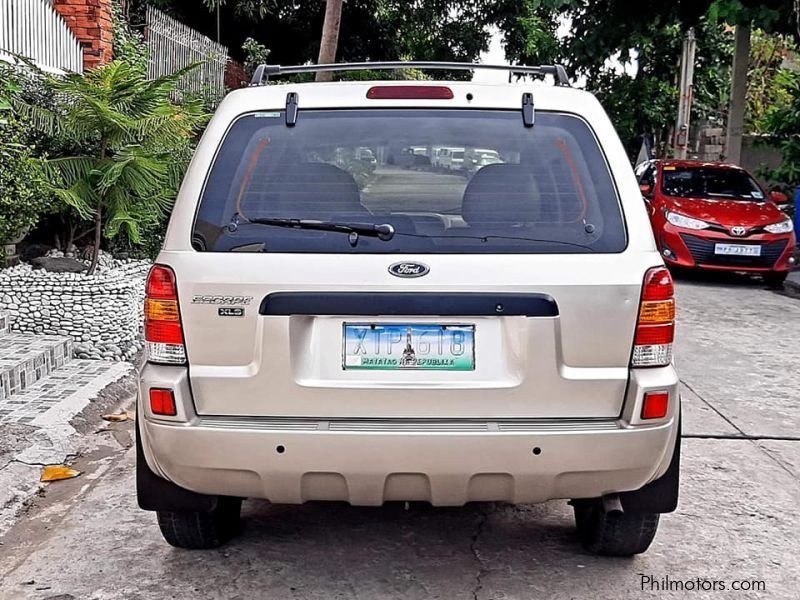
[{"x": 268, "y": 359}]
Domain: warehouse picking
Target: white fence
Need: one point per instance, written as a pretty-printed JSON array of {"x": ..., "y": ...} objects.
[
  {"x": 33, "y": 29},
  {"x": 172, "y": 45}
]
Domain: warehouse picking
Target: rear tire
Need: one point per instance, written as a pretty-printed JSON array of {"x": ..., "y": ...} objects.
[
  {"x": 613, "y": 534},
  {"x": 775, "y": 279},
  {"x": 201, "y": 530}
]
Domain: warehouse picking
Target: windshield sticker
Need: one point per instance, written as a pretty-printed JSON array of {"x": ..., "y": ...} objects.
[
  {"x": 668, "y": 168},
  {"x": 758, "y": 195},
  {"x": 267, "y": 115}
]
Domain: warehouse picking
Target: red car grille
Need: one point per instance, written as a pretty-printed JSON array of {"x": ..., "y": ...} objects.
[{"x": 703, "y": 253}]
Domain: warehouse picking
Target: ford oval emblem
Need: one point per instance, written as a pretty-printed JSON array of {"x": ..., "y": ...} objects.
[{"x": 408, "y": 269}]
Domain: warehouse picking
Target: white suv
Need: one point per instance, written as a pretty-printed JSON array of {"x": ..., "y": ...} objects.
[{"x": 327, "y": 331}]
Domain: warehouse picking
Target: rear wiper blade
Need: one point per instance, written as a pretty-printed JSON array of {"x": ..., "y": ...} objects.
[
  {"x": 382, "y": 231},
  {"x": 488, "y": 238}
]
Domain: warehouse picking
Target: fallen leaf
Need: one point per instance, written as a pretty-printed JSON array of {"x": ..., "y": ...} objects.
[
  {"x": 58, "y": 472},
  {"x": 116, "y": 418}
]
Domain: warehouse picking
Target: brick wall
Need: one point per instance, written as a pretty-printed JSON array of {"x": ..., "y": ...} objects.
[{"x": 90, "y": 21}]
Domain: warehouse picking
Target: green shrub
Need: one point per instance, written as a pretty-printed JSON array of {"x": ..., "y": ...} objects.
[
  {"x": 255, "y": 54},
  {"x": 129, "y": 46},
  {"x": 23, "y": 193},
  {"x": 138, "y": 140},
  {"x": 782, "y": 124},
  {"x": 151, "y": 239}
]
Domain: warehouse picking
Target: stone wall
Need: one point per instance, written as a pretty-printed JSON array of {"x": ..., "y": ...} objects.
[
  {"x": 102, "y": 313},
  {"x": 758, "y": 153}
]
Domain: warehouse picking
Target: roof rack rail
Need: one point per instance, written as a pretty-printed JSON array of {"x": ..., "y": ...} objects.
[{"x": 263, "y": 72}]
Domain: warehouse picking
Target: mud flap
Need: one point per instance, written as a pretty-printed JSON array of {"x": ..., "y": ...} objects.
[
  {"x": 155, "y": 493},
  {"x": 661, "y": 495}
]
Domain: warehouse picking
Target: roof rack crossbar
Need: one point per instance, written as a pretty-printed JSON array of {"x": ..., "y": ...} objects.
[{"x": 263, "y": 72}]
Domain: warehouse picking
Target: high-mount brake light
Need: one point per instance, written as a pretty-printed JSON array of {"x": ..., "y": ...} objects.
[
  {"x": 410, "y": 92},
  {"x": 162, "y": 318},
  {"x": 655, "y": 329}
]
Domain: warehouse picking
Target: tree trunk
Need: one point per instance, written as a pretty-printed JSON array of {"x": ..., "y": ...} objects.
[
  {"x": 98, "y": 217},
  {"x": 219, "y": 2},
  {"x": 330, "y": 36},
  {"x": 682, "y": 139},
  {"x": 98, "y": 234},
  {"x": 71, "y": 227},
  {"x": 741, "y": 57}
]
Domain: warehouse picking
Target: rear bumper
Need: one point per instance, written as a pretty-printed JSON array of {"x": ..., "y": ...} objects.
[
  {"x": 447, "y": 463},
  {"x": 444, "y": 468}
]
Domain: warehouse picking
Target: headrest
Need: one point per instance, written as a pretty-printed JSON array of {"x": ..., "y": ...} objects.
[
  {"x": 307, "y": 190},
  {"x": 501, "y": 195}
]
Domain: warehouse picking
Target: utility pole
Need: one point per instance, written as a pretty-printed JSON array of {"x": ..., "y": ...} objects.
[
  {"x": 741, "y": 58},
  {"x": 330, "y": 37},
  {"x": 686, "y": 95}
]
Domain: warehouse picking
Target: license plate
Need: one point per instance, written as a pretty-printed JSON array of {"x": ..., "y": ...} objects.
[
  {"x": 737, "y": 249},
  {"x": 382, "y": 346}
]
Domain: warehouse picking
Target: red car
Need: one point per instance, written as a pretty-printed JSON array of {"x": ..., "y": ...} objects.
[{"x": 716, "y": 216}]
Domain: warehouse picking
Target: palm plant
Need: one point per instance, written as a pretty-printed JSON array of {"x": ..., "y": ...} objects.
[{"x": 135, "y": 141}]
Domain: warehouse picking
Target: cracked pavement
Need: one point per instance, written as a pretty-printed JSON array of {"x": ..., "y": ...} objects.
[{"x": 738, "y": 352}]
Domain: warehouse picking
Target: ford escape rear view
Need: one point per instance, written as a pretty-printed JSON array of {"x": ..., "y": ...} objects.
[{"x": 330, "y": 320}]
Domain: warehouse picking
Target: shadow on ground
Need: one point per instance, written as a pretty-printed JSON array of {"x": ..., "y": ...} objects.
[
  {"x": 326, "y": 550},
  {"x": 719, "y": 278}
]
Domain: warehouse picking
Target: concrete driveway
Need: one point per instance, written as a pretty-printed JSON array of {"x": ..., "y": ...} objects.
[{"x": 737, "y": 524}]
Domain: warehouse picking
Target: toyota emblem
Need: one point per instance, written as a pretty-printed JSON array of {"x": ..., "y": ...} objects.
[{"x": 738, "y": 231}]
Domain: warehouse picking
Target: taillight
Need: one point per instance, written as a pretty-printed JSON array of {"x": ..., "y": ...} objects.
[
  {"x": 410, "y": 92},
  {"x": 655, "y": 329},
  {"x": 162, "y": 318}
]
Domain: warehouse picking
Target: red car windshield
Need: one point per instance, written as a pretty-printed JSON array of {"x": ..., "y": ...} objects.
[{"x": 711, "y": 183}]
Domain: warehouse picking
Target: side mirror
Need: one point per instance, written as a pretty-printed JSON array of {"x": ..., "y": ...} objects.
[
  {"x": 646, "y": 190},
  {"x": 778, "y": 197}
]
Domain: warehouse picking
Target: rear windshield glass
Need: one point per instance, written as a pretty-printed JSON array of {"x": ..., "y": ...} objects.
[
  {"x": 453, "y": 181},
  {"x": 710, "y": 182}
]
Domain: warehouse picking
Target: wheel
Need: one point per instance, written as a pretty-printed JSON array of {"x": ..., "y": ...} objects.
[
  {"x": 201, "y": 530},
  {"x": 775, "y": 279},
  {"x": 613, "y": 534}
]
